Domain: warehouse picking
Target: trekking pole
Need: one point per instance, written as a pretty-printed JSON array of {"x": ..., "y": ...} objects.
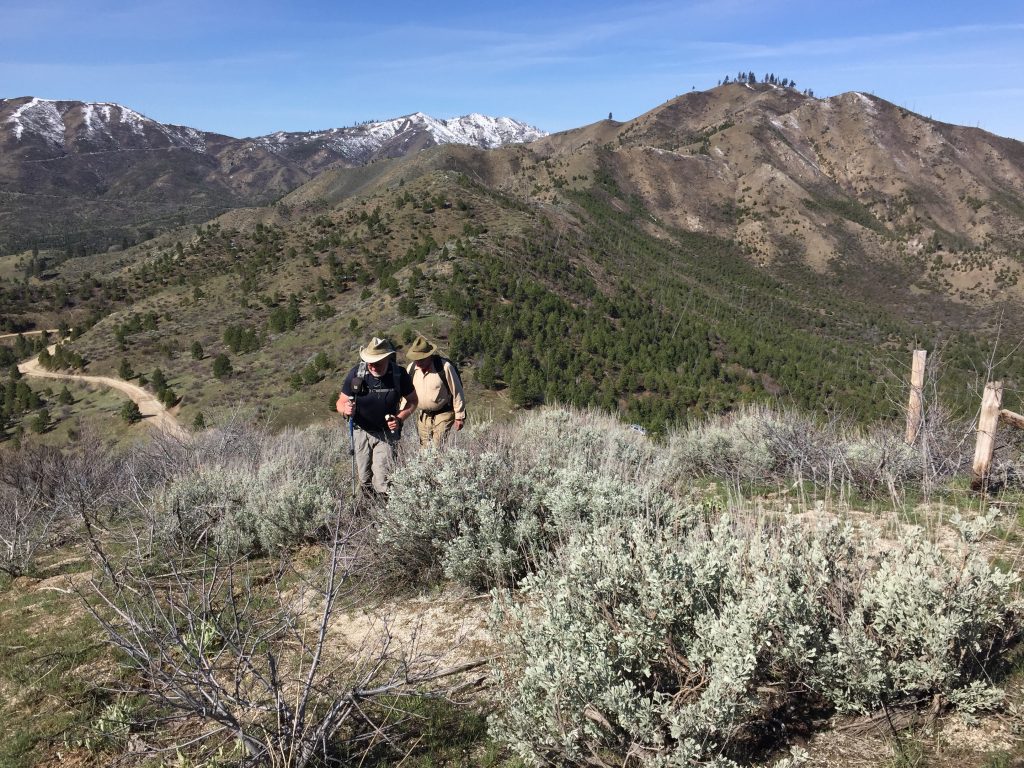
[{"x": 352, "y": 446}]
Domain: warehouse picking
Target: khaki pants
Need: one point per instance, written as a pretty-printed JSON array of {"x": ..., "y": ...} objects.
[
  {"x": 433, "y": 427},
  {"x": 375, "y": 458}
]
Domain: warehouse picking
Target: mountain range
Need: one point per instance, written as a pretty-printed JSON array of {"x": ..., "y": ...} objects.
[
  {"x": 91, "y": 174},
  {"x": 735, "y": 244}
]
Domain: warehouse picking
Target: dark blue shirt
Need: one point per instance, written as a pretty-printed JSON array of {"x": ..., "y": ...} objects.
[{"x": 380, "y": 398}]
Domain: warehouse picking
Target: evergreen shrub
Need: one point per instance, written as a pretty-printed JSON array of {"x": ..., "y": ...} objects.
[
  {"x": 675, "y": 640},
  {"x": 250, "y": 492},
  {"x": 487, "y": 513},
  {"x": 763, "y": 445}
]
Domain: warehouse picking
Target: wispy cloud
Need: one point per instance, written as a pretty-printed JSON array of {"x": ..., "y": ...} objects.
[{"x": 834, "y": 46}]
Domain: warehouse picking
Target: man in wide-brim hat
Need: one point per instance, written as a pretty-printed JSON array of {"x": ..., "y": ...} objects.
[
  {"x": 439, "y": 393},
  {"x": 378, "y": 396}
]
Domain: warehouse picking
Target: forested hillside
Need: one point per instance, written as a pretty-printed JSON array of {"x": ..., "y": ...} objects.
[{"x": 612, "y": 265}]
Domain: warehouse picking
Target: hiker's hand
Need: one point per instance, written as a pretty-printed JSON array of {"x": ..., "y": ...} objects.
[
  {"x": 459, "y": 423},
  {"x": 345, "y": 405},
  {"x": 393, "y": 423}
]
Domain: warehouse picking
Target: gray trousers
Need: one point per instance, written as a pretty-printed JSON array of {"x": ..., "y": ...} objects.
[{"x": 375, "y": 458}]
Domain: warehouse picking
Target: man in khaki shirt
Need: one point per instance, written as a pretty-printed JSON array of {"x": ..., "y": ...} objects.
[{"x": 442, "y": 403}]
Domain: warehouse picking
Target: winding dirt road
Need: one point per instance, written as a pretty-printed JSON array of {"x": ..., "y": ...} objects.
[
  {"x": 152, "y": 409},
  {"x": 25, "y": 333}
]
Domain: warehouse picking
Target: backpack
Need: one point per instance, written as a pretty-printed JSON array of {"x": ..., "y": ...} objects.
[
  {"x": 439, "y": 363},
  {"x": 396, "y": 375}
]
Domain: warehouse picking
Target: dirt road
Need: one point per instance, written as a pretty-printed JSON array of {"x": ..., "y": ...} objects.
[
  {"x": 25, "y": 333},
  {"x": 152, "y": 409}
]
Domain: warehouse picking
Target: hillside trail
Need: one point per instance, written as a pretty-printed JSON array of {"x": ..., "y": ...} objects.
[{"x": 151, "y": 409}]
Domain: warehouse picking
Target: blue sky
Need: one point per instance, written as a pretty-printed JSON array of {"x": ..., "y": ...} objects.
[{"x": 252, "y": 68}]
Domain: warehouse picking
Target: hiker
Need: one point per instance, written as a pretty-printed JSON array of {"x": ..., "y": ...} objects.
[
  {"x": 372, "y": 396},
  {"x": 441, "y": 400}
]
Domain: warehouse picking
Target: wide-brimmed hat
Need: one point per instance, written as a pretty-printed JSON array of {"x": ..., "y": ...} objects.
[
  {"x": 376, "y": 350},
  {"x": 420, "y": 348}
]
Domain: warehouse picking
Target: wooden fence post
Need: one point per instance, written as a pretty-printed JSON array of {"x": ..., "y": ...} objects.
[
  {"x": 987, "y": 423},
  {"x": 915, "y": 409}
]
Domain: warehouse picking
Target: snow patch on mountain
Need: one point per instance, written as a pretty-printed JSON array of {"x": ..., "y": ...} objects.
[
  {"x": 41, "y": 117},
  {"x": 48, "y": 119},
  {"x": 135, "y": 122},
  {"x": 869, "y": 104}
]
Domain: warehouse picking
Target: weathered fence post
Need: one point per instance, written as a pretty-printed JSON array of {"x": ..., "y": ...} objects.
[
  {"x": 915, "y": 409},
  {"x": 987, "y": 422}
]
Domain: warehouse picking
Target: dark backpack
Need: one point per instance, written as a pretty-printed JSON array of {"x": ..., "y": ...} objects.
[
  {"x": 439, "y": 362},
  {"x": 396, "y": 375}
]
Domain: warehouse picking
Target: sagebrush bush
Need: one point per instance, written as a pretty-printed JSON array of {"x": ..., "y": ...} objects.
[
  {"x": 882, "y": 461},
  {"x": 483, "y": 514},
  {"x": 761, "y": 445},
  {"x": 246, "y": 491},
  {"x": 923, "y": 623},
  {"x": 726, "y": 447},
  {"x": 666, "y": 641},
  {"x": 486, "y": 519}
]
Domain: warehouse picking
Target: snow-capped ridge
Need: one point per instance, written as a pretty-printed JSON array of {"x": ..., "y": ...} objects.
[
  {"x": 65, "y": 127},
  {"x": 473, "y": 129},
  {"x": 104, "y": 124}
]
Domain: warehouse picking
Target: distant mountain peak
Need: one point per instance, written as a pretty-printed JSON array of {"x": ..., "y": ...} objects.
[
  {"x": 52, "y": 149},
  {"x": 58, "y": 123},
  {"x": 473, "y": 129},
  {"x": 64, "y": 126}
]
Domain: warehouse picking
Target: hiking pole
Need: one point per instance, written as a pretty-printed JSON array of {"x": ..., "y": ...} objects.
[
  {"x": 352, "y": 452},
  {"x": 357, "y": 384}
]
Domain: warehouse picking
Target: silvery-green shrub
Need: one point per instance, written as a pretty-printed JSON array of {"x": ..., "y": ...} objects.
[
  {"x": 725, "y": 447},
  {"x": 762, "y": 445},
  {"x": 487, "y": 513},
  {"x": 923, "y": 622},
  {"x": 487, "y": 519},
  {"x": 663, "y": 641},
  {"x": 259, "y": 496},
  {"x": 881, "y": 460},
  {"x": 451, "y": 512}
]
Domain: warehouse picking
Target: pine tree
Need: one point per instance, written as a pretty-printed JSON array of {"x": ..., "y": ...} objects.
[
  {"x": 159, "y": 381},
  {"x": 487, "y": 375},
  {"x": 222, "y": 366},
  {"x": 41, "y": 422},
  {"x": 130, "y": 412},
  {"x": 197, "y": 350}
]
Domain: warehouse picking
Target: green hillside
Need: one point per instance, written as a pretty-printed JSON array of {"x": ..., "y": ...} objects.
[{"x": 567, "y": 272}]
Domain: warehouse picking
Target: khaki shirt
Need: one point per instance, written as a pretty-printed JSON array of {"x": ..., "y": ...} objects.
[{"x": 435, "y": 394}]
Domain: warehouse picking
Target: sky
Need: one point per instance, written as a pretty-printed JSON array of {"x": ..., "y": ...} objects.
[{"x": 252, "y": 68}]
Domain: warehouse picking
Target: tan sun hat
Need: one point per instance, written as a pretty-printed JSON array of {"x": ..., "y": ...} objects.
[
  {"x": 420, "y": 348},
  {"x": 376, "y": 350}
]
